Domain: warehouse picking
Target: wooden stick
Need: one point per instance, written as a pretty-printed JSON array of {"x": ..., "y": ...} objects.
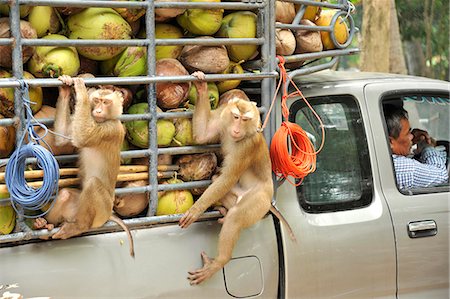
[
  {"x": 67, "y": 182},
  {"x": 37, "y": 174}
]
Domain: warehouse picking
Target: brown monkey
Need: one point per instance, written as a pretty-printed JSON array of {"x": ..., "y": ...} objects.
[
  {"x": 98, "y": 134},
  {"x": 244, "y": 186}
]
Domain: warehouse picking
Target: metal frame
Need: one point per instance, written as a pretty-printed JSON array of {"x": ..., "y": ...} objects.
[{"x": 267, "y": 65}]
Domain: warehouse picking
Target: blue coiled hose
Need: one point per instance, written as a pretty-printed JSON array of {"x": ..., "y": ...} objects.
[{"x": 22, "y": 196}]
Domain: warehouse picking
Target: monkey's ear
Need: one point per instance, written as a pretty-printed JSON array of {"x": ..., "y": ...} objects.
[{"x": 119, "y": 95}]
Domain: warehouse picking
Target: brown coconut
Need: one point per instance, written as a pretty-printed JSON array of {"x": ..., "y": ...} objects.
[
  {"x": 67, "y": 11},
  {"x": 233, "y": 93},
  {"x": 284, "y": 42},
  {"x": 26, "y": 30},
  {"x": 129, "y": 205},
  {"x": 284, "y": 12},
  {"x": 308, "y": 41},
  {"x": 208, "y": 59},
  {"x": 7, "y": 138},
  {"x": 164, "y": 14},
  {"x": 197, "y": 166},
  {"x": 170, "y": 95}
]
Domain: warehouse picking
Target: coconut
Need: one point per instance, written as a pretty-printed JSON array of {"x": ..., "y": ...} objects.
[
  {"x": 340, "y": 29},
  {"x": 138, "y": 129},
  {"x": 168, "y": 31},
  {"x": 308, "y": 41},
  {"x": 44, "y": 20},
  {"x": 213, "y": 94},
  {"x": 234, "y": 93},
  {"x": 131, "y": 62},
  {"x": 98, "y": 23},
  {"x": 284, "y": 12},
  {"x": 26, "y": 31},
  {"x": 233, "y": 68},
  {"x": 163, "y": 14},
  {"x": 201, "y": 21},
  {"x": 24, "y": 10},
  {"x": 68, "y": 11},
  {"x": 7, "y": 217},
  {"x": 88, "y": 66},
  {"x": 240, "y": 24},
  {"x": 311, "y": 12},
  {"x": 125, "y": 147},
  {"x": 131, "y": 14},
  {"x": 7, "y": 96},
  {"x": 129, "y": 205},
  {"x": 171, "y": 95},
  {"x": 174, "y": 202},
  {"x": 208, "y": 59},
  {"x": 284, "y": 42},
  {"x": 7, "y": 138},
  {"x": 54, "y": 61},
  {"x": 197, "y": 167},
  {"x": 183, "y": 132}
]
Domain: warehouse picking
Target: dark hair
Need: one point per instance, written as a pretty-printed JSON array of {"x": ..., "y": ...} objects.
[{"x": 393, "y": 115}]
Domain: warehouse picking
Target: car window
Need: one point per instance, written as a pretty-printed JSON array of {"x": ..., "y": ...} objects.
[
  {"x": 429, "y": 112},
  {"x": 342, "y": 179}
]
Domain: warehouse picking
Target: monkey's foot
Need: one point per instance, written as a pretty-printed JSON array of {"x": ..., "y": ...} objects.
[
  {"x": 68, "y": 230},
  {"x": 210, "y": 267},
  {"x": 41, "y": 223}
]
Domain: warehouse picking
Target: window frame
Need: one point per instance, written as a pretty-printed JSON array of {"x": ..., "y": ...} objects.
[
  {"x": 366, "y": 197},
  {"x": 398, "y": 97}
]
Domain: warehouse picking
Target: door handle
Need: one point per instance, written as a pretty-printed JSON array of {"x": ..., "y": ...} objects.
[{"x": 423, "y": 228}]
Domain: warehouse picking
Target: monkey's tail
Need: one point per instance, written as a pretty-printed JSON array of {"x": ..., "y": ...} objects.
[
  {"x": 280, "y": 217},
  {"x": 126, "y": 229}
]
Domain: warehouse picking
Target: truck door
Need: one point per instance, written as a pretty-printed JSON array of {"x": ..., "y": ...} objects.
[
  {"x": 345, "y": 243},
  {"x": 420, "y": 216}
]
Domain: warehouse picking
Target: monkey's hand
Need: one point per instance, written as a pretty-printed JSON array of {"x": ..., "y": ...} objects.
[
  {"x": 189, "y": 217},
  {"x": 201, "y": 85},
  {"x": 67, "y": 80}
]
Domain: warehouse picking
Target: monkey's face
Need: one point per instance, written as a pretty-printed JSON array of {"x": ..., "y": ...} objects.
[
  {"x": 105, "y": 105},
  {"x": 242, "y": 118}
]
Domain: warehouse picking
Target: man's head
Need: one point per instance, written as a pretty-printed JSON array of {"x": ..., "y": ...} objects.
[{"x": 399, "y": 130}]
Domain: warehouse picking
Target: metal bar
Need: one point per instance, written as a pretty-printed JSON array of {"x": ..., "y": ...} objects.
[
  {"x": 50, "y": 82},
  {"x": 320, "y": 4},
  {"x": 6, "y": 41},
  {"x": 313, "y": 69},
  {"x": 304, "y": 27},
  {"x": 133, "y": 223},
  {"x": 143, "y": 4},
  {"x": 140, "y": 42}
]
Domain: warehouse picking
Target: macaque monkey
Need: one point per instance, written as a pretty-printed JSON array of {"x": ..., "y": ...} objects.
[
  {"x": 98, "y": 134},
  {"x": 244, "y": 187}
]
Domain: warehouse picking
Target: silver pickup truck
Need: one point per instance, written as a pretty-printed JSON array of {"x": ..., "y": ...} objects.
[{"x": 359, "y": 236}]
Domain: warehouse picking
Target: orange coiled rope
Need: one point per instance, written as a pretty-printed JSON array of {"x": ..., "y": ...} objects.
[{"x": 291, "y": 151}]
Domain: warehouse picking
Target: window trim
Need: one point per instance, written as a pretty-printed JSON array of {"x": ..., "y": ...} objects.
[{"x": 367, "y": 193}]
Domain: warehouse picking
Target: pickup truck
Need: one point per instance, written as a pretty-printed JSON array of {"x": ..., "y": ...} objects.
[{"x": 358, "y": 235}]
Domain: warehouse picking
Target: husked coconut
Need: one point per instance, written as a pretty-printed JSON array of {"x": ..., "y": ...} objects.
[
  {"x": 163, "y": 14},
  {"x": 208, "y": 59},
  {"x": 128, "y": 205},
  {"x": 197, "y": 166},
  {"x": 170, "y": 95},
  {"x": 284, "y": 12},
  {"x": 284, "y": 41},
  {"x": 26, "y": 31},
  {"x": 308, "y": 41}
]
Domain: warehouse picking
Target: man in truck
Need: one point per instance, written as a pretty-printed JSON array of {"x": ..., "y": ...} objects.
[{"x": 429, "y": 169}]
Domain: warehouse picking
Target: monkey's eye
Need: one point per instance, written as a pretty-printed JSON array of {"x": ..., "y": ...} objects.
[
  {"x": 95, "y": 101},
  {"x": 236, "y": 116},
  {"x": 107, "y": 102},
  {"x": 245, "y": 118}
]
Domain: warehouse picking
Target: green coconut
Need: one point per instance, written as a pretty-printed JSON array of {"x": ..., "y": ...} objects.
[
  {"x": 131, "y": 62},
  {"x": 240, "y": 24},
  {"x": 54, "y": 61},
  {"x": 7, "y": 216},
  {"x": 201, "y": 21},
  {"x": 167, "y": 31},
  {"x": 213, "y": 94},
  {"x": 7, "y": 96},
  {"x": 98, "y": 23},
  {"x": 44, "y": 20},
  {"x": 138, "y": 129},
  {"x": 174, "y": 202}
]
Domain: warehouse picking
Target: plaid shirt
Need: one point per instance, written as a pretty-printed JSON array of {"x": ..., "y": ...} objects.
[{"x": 431, "y": 170}]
